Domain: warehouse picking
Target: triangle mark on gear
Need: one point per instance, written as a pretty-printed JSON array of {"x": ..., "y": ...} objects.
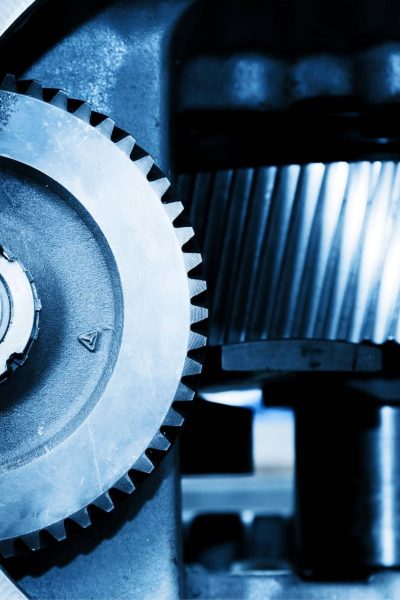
[{"x": 89, "y": 340}]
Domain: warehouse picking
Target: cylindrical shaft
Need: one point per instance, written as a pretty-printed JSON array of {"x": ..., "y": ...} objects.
[{"x": 347, "y": 482}]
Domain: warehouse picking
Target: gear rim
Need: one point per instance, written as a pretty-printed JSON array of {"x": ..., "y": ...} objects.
[{"x": 168, "y": 429}]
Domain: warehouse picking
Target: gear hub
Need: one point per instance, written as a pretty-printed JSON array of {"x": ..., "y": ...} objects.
[{"x": 19, "y": 314}]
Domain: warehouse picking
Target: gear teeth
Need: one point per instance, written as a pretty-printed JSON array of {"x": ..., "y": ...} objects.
[
  {"x": 197, "y": 340},
  {"x": 9, "y": 83},
  {"x": 144, "y": 464},
  {"x": 35, "y": 90},
  {"x": 184, "y": 234},
  {"x": 83, "y": 112},
  {"x": 81, "y": 518},
  {"x": 160, "y": 186},
  {"x": 191, "y": 260},
  {"x": 31, "y": 540},
  {"x": 106, "y": 127},
  {"x": 173, "y": 210},
  {"x": 191, "y": 367},
  {"x": 201, "y": 326},
  {"x": 60, "y": 99},
  {"x": 144, "y": 164},
  {"x": 125, "y": 485},
  {"x": 104, "y": 503},
  {"x": 196, "y": 287},
  {"x": 199, "y": 318},
  {"x": 126, "y": 144},
  {"x": 183, "y": 393},
  {"x": 160, "y": 442},
  {"x": 57, "y": 531},
  {"x": 173, "y": 419}
]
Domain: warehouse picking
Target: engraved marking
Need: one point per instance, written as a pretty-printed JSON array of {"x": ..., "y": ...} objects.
[{"x": 89, "y": 340}]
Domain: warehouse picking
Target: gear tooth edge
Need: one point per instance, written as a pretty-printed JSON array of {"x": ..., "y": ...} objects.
[
  {"x": 191, "y": 367},
  {"x": 197, "y": 340},
  {"x": 184, "y": 234},
  {"x": 173, "y": 419},
  {"x": 34, "y": 89},
  {"x": 183, "y": 393},
  {"x": 125, "y": 485},
  {"x": 104, "y": 502},
  {"x": 173, "y": 210},
  {"x": 57, "y": 531},
  {"x": 31, "y": 540},
  {"x": 144, "y": 164},
  {"x": 160, "y": 442},
  {"x": 60, "y": 100},
  {"x": 196, "y": 287},
  {"x": 106, "y": 127},
  {"x": 198, "y": 315},
  {"x": 144, "y": 464},
  {"x": 83, "y": 112},
  {"x": 81, "y": 518},
  {"x": 9, "y": 83},
  {"x": 160, "y": 186},
  {"x": 191, "y": 260},
  {"x": 126, "y": 144}
]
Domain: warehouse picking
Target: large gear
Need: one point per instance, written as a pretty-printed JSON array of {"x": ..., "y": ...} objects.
[{"x": 107, "y": 383}]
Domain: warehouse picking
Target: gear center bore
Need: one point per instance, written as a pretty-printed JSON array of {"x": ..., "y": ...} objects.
[{"x": 19, "y": 314}]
